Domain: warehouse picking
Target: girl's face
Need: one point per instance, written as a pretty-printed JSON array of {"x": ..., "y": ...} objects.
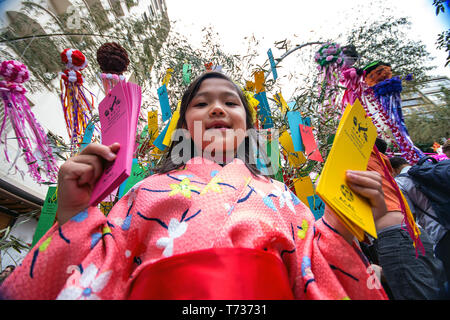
[{"x": 216, "y": 117}]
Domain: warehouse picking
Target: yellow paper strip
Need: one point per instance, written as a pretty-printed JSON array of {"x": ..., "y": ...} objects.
[
  {"x": 279, "y": 98},
  {"x": 303, "y": 188},
  {"x": 153, "y": 125},
  {"x": 167, "y": 76},
  {"x": 172, "y": 125},
  {"x": 295, "y": 158},
  {"x": 259, "y": 81}
]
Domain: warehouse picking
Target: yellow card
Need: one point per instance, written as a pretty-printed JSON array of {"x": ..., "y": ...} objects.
[
  {"x": 259, "y": 81},
  {"x": 172, "y": 125},
  {"x": 167, "y": 76},
  {"x": 304, "y": 188},
  {"x": 279, "y": 98},
  {"x": 351, "y": 150},
  {"x": 295, "y": 158}
]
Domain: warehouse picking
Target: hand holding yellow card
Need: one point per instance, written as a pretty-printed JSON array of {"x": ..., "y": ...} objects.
[{"x": 351, "y": 150}]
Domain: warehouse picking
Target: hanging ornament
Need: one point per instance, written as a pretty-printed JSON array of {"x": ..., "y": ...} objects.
[
  {"x": 351, "y": 78},
  {"x": 330, "y": 61},
  {"x": 77, "y": 103},
  {"x": 31, "y": 138},
  {"x": 113, "y": 61},
  {"x": 384, "y": 93}
]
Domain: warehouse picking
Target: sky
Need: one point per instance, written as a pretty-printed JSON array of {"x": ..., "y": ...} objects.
[{"x": 272, "y": 21}]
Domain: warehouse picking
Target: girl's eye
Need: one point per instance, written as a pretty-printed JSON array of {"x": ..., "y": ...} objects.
[
  {"x": 229, "y": 103},
  {"x": 200, "y": 104}
]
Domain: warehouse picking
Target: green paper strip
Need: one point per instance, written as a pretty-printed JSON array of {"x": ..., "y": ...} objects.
[
  {"x": 187, "y": 73},
  {"x": 48, "y": 214}
]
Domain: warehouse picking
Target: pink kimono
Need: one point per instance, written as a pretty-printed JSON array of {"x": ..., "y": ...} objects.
[{"x": 200, "y": 206}]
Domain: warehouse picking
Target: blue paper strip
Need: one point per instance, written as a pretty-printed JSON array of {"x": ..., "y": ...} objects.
[
  {"x": 164, "y": 103},
  {"x": 272, "y": 64},
  {"x": 88, "y": 133},
  {"x": 316, "y": 205},
  {"x": 294, "y": 120},
  {"x": 264, "y": 110},
  {"x": 158, "y": 141}
]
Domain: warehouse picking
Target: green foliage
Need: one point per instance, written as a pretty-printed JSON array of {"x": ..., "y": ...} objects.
[
  {"x": 430, "y": 127},
  {"x": 443, "y": 40}
]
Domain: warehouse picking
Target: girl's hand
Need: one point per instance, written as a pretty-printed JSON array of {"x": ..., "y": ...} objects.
[
  {"x": 366, "y": 184},
  {"x": 77, "y": 178}
]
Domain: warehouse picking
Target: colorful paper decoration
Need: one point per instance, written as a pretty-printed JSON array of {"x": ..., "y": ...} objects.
[
  {"x": 88, "y": 134},
  {"x": 259, "y": 81},
  {"x": 272, "y": 64},
  {"x": 281, "y": 102},
  {"x": 310, "y": 144},
  {"x": 159, "y": 140},
  {"x": 294, "y": 120},
  {"x": 187, "y": 68},
  {"x": 303, "y": 188},
  {"x": 48, "y": 214},
  {"x": 29, "y": 134},
  {"x": 77, "y": 104},
  {"x": 152, "y": 126},
  {"x": 172, "y": 126},
  {"x": 164, "y": 103},
  {"x": 317, "y": 206},
  {"x": 264, "y": 110},
  {"x": 167, "y": 76},
  {"x": 295, "y": 158},
  {"x": 384, "y": 93}
]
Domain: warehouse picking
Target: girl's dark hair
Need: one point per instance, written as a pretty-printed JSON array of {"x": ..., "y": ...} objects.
[{"x": 168, "y": 165}]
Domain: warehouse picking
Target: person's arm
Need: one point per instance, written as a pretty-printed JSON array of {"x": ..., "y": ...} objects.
[{"x": 77, "y": 178}]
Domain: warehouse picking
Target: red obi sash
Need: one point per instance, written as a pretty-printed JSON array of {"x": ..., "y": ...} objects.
[{"x": 214, "y": 274}]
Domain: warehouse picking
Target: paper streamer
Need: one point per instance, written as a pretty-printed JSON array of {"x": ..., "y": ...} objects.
[
  {"x": 87, "y": 137},
  {"x": 280, "y": 100},
  {"x": 48, "y": 214},
  {"x": 259, "y": 81},
  {"x": 303, "y": 188},
  {"x": 264, "y": 110},
  {"x": 294, "y": 120},
  {"x": 187, "y": 73},
  {"x": 159, "y": 140},
  {"x": 272, "y": 64},
  {"x": 295, "y": 158},
  {"x": 164, "y": 103},
  {"x": 316, "y": 205},
  {"x": 310, "y": 144},
  {"x": 172, "y": 125},
  {"x": 167, "y": 76}
]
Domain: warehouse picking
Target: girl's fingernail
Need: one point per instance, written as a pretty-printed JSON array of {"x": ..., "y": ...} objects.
[{"x": 111, "y": 155}]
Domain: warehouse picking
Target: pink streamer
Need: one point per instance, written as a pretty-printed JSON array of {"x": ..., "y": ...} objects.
[{"x": 27, "y": 130}]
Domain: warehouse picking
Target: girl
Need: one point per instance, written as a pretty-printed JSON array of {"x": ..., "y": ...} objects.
[{"x": 196, "y": 230}]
